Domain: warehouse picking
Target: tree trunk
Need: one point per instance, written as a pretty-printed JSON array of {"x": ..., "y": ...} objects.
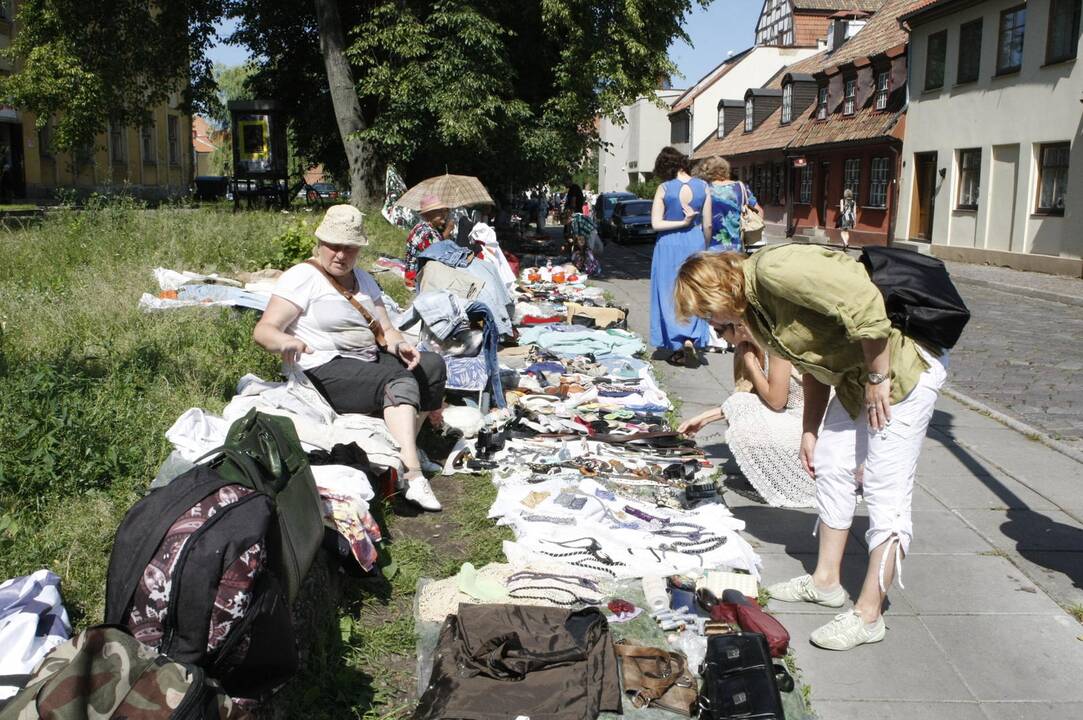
[{"x": 344, "y": 97}]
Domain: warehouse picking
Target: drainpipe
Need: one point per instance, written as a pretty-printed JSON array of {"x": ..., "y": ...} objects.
[{"x": 893, "y": 214}]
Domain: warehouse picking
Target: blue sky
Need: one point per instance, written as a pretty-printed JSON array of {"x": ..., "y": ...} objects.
[{"x": 725, "y": 26}]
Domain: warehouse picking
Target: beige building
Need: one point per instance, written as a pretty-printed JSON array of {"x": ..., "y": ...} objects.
[
  {"x": 992, "y": 164},
  {"x": 151, "y": 161},
  {"x": 628, "y": 150}
]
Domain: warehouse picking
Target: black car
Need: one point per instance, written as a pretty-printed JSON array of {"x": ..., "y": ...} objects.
[
  {"x": 632, "y": 221},
  {"x": 603, "y": 211}
]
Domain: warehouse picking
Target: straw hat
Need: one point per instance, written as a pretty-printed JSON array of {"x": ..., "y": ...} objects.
[
  {"x": 343, "y": 225},
  {"x": 430, "y": 202}
]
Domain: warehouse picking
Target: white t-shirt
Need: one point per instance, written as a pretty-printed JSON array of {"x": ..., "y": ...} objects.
[{"x": 328, "y": 323}]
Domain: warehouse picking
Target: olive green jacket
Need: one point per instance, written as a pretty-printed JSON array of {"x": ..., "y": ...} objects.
[{"x": 813, "y": 307}]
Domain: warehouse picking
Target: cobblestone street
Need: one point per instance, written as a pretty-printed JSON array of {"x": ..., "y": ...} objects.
[{"x": 1020, "y": 355}]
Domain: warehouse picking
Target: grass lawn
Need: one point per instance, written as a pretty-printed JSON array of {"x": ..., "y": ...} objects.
[{"x": 89, "y": 384}]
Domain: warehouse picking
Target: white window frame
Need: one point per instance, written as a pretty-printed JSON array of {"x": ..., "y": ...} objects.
[
  {"x": 749, "y": 110},
  {"x": 787, "y": 103},
  {"x": 969, "y": 189},
  {"x": 883, "y": 89},
  {"x": 1059, "y": 182},
  {"x": 849, "y": 103},
  {"x": 879, "y": 179},
  {"x": 821, "y": 103},
  {"x": 804, "y": 192},
  {"x": 851, "y": 176},
  {"x": 721, "y": 123}
]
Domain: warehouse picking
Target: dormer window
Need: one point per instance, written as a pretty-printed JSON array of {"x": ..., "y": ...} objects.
[
  {"x": 821, "y": 104},
  {"x": 882, "y": 88},
  {"x": 850, "y": 97},
  {"x": 721, "y": 122},
  {"x": 748, "y": 115},
  {"x": 787, "y": 103}
]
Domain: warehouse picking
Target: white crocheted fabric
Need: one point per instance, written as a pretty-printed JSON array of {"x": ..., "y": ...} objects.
[{"x": 766, "y": 445}]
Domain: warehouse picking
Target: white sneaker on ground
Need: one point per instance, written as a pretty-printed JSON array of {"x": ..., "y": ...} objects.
[
  {"x": 847, "y": 631},
  {"x": 427, "y": 465},
  {"x": 419, "y": 492},
  {"x": 802, "y": 589}
]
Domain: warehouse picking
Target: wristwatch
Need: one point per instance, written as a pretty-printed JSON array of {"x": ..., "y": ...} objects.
[{"x": 876, "y": 378}]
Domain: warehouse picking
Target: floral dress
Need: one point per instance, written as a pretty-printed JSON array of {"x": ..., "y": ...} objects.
[
  {"x": 420, "y": 238},
  {"x": 727, "y": 200}
]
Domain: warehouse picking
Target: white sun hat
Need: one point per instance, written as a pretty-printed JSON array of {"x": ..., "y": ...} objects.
[{"x": 343, "y": 225}]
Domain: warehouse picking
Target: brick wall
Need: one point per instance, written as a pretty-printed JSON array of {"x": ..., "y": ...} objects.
[{"x": 810, "y": 29}]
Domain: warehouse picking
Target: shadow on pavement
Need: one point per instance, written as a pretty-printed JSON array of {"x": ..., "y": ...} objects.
[{"x": 1038, "y": 538}]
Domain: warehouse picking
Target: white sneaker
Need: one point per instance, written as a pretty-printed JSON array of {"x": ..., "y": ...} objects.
[
  {"x": 847, "y": 631},
  {"x": 420, "y": 493},
  {"x": 802, "y": 589}
]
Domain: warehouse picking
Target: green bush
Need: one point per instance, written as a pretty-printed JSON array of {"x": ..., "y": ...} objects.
[
  {"x": 294, "y": 244},
  {"x": 644, "y": 188}
]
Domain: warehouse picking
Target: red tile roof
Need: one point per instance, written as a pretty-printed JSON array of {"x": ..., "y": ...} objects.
[
  {"x": 881, "y": 33},
  {"x": 827, "y": 5},
  {"x": 922, "y": 6}
]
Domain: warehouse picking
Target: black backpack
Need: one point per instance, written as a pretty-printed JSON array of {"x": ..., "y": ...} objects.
[
  {"x": 920, "y": 298},
  {"x": 202, "y": 569}
]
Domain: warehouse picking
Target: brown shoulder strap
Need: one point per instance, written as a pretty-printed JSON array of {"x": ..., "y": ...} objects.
[{"x": 373, "y": 323}]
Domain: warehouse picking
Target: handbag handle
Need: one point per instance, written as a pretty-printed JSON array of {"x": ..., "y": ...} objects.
[
  {"x": 654, "y": 685},
  {"x": 374, "y": 326}
]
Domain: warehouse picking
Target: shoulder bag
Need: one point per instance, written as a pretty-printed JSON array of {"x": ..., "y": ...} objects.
[
  {"x": 653, "y": 677},
  {"x": 751, "y": 222},
  {"x": 374, "y": 325}
]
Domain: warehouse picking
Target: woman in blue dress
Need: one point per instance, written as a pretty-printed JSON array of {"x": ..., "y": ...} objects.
[
  {"x": 677, "y": 218},
  {"x": 725, "y": 200}
]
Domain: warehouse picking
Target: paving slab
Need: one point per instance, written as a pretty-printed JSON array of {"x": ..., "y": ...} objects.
[
  {"x": 1013, "y": 657},
  {"x": 783, "y": 530},
  {"x": 1057, "y": 573},
  {"x": 971, "y": 584},
  {"x": 936, "y": 532},
  {"x": 896, "y": 710},
  {"x": 1022, "y": 530},
  {"x": 962, "y": 491},
  {"x": 783, "y": 567},
  {"x": 1027, "y": 711},
  {"x": 907, "y": 665}
]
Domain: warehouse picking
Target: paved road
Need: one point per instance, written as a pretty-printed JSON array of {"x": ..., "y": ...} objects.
[{"x": 1020, "y": 355}]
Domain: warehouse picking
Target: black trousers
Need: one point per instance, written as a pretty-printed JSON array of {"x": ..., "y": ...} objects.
[{"x": 355, "y": 386}]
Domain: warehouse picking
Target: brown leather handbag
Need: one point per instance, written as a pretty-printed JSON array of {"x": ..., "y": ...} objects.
[{"x": 653, "y": 677}]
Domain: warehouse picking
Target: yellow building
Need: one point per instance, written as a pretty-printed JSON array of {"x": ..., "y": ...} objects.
[{"x": 153, "y": 161}]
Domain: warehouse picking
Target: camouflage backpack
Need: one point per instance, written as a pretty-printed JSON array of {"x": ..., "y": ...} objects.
[{"x": 104, "y": 672}]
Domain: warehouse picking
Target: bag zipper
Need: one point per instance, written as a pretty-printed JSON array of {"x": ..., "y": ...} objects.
[
  {"x": 170, "y": 630},
  {"x": 194, "y": 696}
]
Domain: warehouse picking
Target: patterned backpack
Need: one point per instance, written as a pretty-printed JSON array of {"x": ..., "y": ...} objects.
[{"x": 105, "y": 672}]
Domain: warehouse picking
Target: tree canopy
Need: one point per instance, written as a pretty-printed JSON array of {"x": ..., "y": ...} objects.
[{"x": 506, "y": 91}]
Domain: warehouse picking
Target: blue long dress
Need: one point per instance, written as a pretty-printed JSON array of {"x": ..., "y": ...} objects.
[{"x": 671, "y": 249}]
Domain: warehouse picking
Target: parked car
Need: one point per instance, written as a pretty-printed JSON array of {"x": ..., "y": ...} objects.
[
  {"x": 322, "y": 193},
  {"x": 603, "y": 211},
  {"x": 632, "y": 221}
]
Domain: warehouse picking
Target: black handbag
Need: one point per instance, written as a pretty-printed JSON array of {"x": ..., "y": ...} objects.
[
  {"x": 920, "y": 298},
  {"x": 739, "y": 679}
]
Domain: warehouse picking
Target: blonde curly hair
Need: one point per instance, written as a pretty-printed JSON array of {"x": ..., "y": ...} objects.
[
  {"x": 713, "y": 169},
  {"x": 711, "y": 282}
]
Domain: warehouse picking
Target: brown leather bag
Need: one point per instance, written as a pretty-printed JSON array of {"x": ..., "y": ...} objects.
[{"x": 653, "y": 677}]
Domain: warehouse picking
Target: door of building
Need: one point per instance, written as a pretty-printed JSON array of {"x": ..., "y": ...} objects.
[
  {"x": 921, "y": 213},
  {"x": 825, "y": 186},
  {"x": 1003, "y": 189}
]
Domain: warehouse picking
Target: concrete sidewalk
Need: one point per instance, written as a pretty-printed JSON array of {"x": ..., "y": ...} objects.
[{"x": 981, "y": 629}]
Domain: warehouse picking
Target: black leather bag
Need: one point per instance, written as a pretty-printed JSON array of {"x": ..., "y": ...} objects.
[
  {"x": 920, "y": 298},
  {"x": 739, "y": 679}
]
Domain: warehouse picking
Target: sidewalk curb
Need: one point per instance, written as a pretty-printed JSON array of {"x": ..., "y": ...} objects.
[
  {"x": 1076, "y": 300},
  {"x": 1017, "y": 425}
]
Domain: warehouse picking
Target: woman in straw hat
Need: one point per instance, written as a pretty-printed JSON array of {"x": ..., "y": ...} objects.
[
  {"x": 433, "y": 227},
  {"x": 351, "y": 352}
]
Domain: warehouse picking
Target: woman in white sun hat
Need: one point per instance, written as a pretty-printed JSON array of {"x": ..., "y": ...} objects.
[{"x": 326, "y": 316}]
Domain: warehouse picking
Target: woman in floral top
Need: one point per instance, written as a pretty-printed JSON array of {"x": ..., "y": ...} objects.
[
  {"x": 722, "y": 212},
  {"x": 433, "y": 228}
]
